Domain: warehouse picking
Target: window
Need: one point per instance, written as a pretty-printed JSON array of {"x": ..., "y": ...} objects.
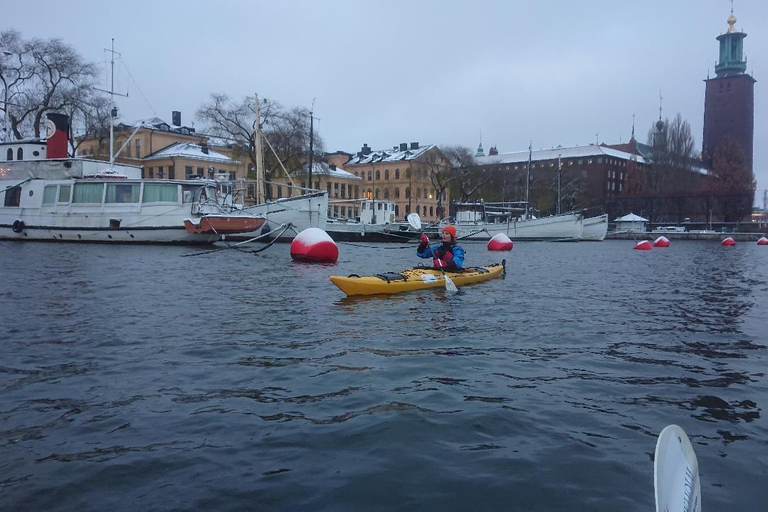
[
  {"x": 357, "y": 191},
  {"x": 369, "y": 175},
  {"x": 599, "y": 160},
  {"x": 397, "y": 193},
  {"x": 20, "y": 154},
  {"x": 343, "y": 190},
  {"x": 123, "y": 193},
  {"x": 431, "y": 211},
  {"x": 161, "y": 193},
  {"x": 65, "y": 191},
  {"x": 160, "y": 172},
  {"x": 188, "y": 171},
  {"x": 378, "y": 175},
  {"x": 151, "y": 172},
  {"x": 407, "y": 209},
  {"x": 9, "y": 154},
  {"x": 407, "y": 192},
  {"x": 128, "y": 151},
  {"x": 377, "y": 193},
  {"x": 280, "y": 190},
  {"x": 397, "y": 174},
  {"x": 378, "y": 206},
  {"x": 90, "y": 193},
  {"x": 335, "y": 211},
  {"x": 171, "y": 172},
  {"x": 397, "y": 210},
  {"x": 12, "y": 196},
  {"x": 138, "y": 148},
  {"x": 386, "y": 174},
  {"x": 49, "y": 195},
  {"x": 232, "y": 175},
  {"x": 336, "y": 189},
  {"x": 620, "y": 187}
]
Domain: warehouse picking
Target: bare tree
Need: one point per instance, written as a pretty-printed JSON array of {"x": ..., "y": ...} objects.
[
  {"x": 470, "y": 178},
  {"x": 440, "y": 171},
  {"x": 41, "y": 76},
  {"x": 286, "y": 130}
]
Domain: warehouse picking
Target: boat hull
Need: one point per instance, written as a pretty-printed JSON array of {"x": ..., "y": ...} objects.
[
  {"x": 418, "y": 278},
  {"x": 595, "y": 228},
  {"x": 223, "y": 224},
  {"x": 302, "y": 212},
  {"x": 565, "y": 228},
  {"x": 149, "y": 235}
]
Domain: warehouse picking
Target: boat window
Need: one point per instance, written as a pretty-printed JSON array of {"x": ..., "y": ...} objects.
[
  {"x": 161, "y": 193},
  {"x": 20, "y": 154},
  {"x": 49, "y": 195},
  {"x": 123, "y": 192},
  {"x": 12, "y": 196},
  {"x": 88, "y": 193},
  {"x": 9, "y": 154},
  {"x": 65, "y": 192}
]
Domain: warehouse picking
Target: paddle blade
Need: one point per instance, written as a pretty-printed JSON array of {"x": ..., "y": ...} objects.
[
  {"x": 450, "y": 286},
  {"x": 415, "y": 221},
  {"x": 676, "y": 473}
]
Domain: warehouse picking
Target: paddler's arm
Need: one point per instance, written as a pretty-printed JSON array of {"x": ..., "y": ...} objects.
[{"x": 458, "y": 258}]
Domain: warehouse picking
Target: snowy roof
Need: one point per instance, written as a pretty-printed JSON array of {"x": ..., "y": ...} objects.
[
  {"x": 389, "y": 155},
  {"x": 189, "y": 150},
  {"x": 553, "y": 153},
  {"x": 155, "y": 123},
  {"x": 324, "y": 169},
  {"x": 631, "y": 218}
]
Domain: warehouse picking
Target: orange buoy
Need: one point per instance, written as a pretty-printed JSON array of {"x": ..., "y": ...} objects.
[
  {"x": 315, "y": 246},
  {"x": 662, "y": 241},
  {"x": 762, "y": 241},
  {"x": 500, "y": 242},
  {"x": 644, "y": 245},
  {"x": 728, "y": 242}
]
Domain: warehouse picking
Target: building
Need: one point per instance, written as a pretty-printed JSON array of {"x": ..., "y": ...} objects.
[
  {"x": 403, "y": 175},
  {"x": 729, "y": 98},
  {"x": 134, "y": 143}
]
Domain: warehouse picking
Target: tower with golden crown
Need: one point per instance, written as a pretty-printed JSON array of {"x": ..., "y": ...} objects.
[{"x": 729, "y": 100}]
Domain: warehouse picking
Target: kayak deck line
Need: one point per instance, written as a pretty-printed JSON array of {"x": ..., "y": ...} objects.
[{"x": 416, "y": 278}]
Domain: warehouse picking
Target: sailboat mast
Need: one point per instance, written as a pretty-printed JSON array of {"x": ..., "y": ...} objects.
[
  {"x": 559, "y": 169},
  {"x": 528, "y": 179},
  {"x": 112, "y": 109},
  {"x": 311, "y": 143},
  {"x": 260, "y": 196}
]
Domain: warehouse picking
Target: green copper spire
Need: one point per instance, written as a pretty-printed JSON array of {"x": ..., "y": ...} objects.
[{"x": 732, "y": 61}]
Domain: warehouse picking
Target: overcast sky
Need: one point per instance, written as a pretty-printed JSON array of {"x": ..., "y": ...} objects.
[{"x": 384, "y": 72}]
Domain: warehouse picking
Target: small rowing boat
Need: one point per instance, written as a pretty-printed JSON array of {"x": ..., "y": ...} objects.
[{"x": 417, "y": 278}]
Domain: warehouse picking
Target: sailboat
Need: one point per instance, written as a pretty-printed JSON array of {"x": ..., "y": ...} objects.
[{"x": 286, "y": 216}]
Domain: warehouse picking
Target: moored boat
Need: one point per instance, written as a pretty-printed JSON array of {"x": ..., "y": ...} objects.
[
  {"x": 417, "y": 278},
  {"x": 594, "y": 228},
  {"x": 482, "y": 221}
]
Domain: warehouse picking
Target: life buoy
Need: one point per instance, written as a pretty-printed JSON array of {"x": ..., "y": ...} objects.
[{"x": 18, "y": 226}]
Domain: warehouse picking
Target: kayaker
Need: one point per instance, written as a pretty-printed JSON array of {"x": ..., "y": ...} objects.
[{"x": 446, "y": 255}]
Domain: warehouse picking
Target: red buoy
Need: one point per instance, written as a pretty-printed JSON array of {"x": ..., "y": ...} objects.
[
  {"x": 662, "y": 241},
  {"x": 728, "y": 242},
  {"x": 645, "y": 245},
  {"x": 500, "y": 242},
  {"x": 762, "y": 241},
  {"x": 314, "y": 245}
]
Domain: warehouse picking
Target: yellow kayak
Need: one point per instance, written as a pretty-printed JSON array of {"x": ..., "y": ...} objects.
[{"x": 417, "y": 278}]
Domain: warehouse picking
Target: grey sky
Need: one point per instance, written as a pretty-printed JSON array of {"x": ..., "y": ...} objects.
[{"x": 554, "y": 72}]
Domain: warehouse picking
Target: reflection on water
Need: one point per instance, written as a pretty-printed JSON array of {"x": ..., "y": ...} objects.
[{"x": 131, "y": 377}]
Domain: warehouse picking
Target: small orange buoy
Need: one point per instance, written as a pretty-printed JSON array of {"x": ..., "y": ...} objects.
[
  {"x": 314, "y": 245},
  {"x": 662, "y": 241},
  {"x": 500, "y": 242},
  {"x": 645, "y": 245},
  {"x": 728, "y": 242},
  {"x": 762, "y": 241}
]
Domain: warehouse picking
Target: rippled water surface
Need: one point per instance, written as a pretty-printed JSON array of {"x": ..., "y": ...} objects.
[{"x": 132, "y": 378}]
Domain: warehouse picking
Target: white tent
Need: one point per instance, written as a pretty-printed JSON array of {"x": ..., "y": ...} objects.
[{"x": 631, "y": 224}]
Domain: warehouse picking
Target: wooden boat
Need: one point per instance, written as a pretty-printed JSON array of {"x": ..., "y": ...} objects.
[
  {"x": 223, "y": 224},
  {"x": 417, "y": 278}
]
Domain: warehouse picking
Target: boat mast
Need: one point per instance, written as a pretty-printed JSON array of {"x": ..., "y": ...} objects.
[
  {"x": 559, "y": 169},
  {"x": 311, "y": 143},
  {"x": 260, "y": 199},
  {"x": 112, "y": 108},
  {"x": 528, "y": 178}
]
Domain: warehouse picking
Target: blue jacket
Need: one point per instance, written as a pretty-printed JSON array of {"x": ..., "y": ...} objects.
[{"x": 436, "y": 250}]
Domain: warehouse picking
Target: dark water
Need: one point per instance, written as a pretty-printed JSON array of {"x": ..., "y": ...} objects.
[{"x": 135, "y": 379}]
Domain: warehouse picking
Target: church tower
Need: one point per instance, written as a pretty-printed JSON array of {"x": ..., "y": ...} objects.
[{"x": 729, "y": 99}]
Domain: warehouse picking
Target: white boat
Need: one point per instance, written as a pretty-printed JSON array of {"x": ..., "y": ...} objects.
[
  {"x": 595, "y": 228},
  {"x": 72, "y": 200},
  {"x": 287, "y": 216},
  {"x": 482, "y": 221},
  {"x": 375, "y": 224}
]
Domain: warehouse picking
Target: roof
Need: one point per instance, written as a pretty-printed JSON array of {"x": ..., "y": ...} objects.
[
  {"x": 631, "y": 218},
  {"x": 389, "y": 155},
  {"x": 323, "y": 169},
  {"x": 155, "y": 123},
  {"x": 553, "y": 153},
  {"x": 189, "y": 150}
]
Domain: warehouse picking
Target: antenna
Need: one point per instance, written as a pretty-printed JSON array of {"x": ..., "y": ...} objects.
[
  {"x": 633, "y": 127},
  {"x": 112, "y": 108}
]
